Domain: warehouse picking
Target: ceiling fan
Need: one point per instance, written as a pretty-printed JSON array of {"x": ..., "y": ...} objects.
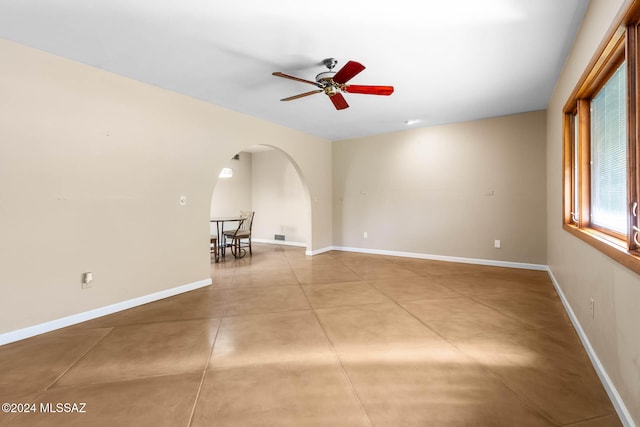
[{"x": 334, "y": 83}]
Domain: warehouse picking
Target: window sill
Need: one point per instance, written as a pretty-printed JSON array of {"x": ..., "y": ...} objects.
[{"x": 610, "y": 246}]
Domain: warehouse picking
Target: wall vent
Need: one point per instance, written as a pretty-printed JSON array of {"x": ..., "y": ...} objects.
[{"x": 279, "y": 237}]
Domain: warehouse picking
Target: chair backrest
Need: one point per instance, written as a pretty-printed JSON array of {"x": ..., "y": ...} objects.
[{"x": 248, "y": 220}]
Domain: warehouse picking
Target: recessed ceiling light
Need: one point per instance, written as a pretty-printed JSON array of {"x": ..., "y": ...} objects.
[{"x": 410, "y": 122}]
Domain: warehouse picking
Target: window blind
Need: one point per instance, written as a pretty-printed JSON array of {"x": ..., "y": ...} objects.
[
  {"x": 609, "y": 154},
  {"x": 576, "y": 171}
]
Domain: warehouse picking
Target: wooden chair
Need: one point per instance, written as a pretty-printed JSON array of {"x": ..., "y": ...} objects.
[
  {"x": 241, "y": 237},
  {"x": 214, "y": 246}
]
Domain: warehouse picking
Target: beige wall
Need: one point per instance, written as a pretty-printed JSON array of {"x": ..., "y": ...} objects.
[
  {"x": 92, "y": 166},
  {"x": 427, "y": 191},
  {"x": 582, "y": 272},
  {"x": 279, "y": 198}
]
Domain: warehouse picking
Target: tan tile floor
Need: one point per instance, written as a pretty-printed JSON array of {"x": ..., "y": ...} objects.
[{"x": 339, "y": 339}]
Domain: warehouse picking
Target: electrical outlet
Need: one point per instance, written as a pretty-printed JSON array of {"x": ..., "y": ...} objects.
[
  {"x": 497, "y": 244},
  {"x": 592, "y": 307},
  {"x": 183, "y": 200},
  {"x": 366, "y": 235}
]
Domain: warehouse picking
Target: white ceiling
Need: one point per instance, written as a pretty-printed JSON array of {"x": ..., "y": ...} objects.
[{"x": 449, "y": 60}]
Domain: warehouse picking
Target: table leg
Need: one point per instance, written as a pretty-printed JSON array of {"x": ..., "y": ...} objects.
[{"x": 219, "y": 252}]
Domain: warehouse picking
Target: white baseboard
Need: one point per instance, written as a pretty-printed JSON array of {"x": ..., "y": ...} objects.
[
  {"x": 280, "y": 242},
  {"x": 490, "y": 262},
  {"x": 494, "y": 263},
  {"x": 52, "y": 325},
  {"x": 319, "y": 251},
  {"x": 610, "y": 388}
]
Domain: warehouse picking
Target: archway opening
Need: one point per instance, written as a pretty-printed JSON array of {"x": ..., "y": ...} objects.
[{"x": 265, "y": 180}]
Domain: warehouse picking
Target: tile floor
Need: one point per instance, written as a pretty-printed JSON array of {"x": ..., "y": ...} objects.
[{"x": 338, "y": 339}]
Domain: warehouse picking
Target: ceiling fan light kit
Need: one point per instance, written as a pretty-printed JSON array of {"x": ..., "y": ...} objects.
[{"x": 333, "y": 84}]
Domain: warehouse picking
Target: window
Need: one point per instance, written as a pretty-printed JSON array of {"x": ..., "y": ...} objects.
[
  {"x": 601, "y": 124},
  {"x": 609, "y": 154},
  {"x": 575, "y": 169}
]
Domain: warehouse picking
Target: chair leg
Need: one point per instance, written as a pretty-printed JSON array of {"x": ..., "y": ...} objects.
[
  {"x": 235, "y": 248},
  {"x": 215, "y": 250}
]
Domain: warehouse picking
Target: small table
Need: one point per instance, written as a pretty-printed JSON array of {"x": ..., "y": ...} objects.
[{"x": 220, "y": 229}]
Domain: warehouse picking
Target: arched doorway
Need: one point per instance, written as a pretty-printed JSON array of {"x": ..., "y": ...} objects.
[{"x": 266, "y": 180}]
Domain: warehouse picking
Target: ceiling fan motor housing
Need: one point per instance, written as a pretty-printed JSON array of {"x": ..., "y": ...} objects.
[{"x": 325, "y": 76}]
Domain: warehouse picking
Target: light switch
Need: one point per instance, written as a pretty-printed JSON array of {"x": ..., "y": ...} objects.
[{"x": 87, "y": 278}]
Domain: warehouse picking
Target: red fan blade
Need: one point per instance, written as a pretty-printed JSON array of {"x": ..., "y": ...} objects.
[
  {"x": 338, "y": 101},
  {"x": 369, "y": 90},
  {"x": 291, "y": 98},
  {"x": 298, "y": 79},
  {"x": 349, "y": 71}
]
